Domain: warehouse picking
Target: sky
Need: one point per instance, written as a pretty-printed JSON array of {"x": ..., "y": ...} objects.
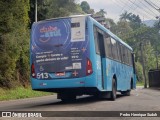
[{"x": 116, "y": 7}]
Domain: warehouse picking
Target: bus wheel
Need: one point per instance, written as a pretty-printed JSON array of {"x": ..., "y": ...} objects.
[
  {"x": 67, "y": 98},
  {"x": 114, "y": 90},
  {"x": 126, "y": 93},
  {"x": 71, "y": 99}
]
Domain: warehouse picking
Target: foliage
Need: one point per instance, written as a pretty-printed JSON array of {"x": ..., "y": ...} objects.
[
  {"x": 19, "y": 93},
  {"x": 13, "y": 41},
  {"x": 85, "y": 6},
  {"x": 139, "y": 71},
  {"x": 54, "y": 8},
  {"x": 101, "y": 12}
]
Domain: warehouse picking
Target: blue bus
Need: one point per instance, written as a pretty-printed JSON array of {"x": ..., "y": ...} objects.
[{"x": 76, "y": 55}]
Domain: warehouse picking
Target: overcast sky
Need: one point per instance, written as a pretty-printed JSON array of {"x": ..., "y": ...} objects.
[{"x": 116, "y": 7}]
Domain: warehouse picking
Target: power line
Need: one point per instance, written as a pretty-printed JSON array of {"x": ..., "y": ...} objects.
[
  {"x": 148, "y": 8},
  {"x": 123, "y": 7},
  {"x": 142, "y": 8},
  {"x": 152, "y": 6},
  {"x": 147, "y": 12},
  {"x": 141, "y": 11}
]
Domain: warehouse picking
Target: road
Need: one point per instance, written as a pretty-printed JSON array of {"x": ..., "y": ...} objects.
[{"x": 140, "y": 100}]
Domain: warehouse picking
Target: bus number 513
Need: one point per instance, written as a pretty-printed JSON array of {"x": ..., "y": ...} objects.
[{"x": 42, "y": 75}]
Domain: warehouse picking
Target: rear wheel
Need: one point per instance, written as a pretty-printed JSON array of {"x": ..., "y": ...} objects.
[
  {"x": 126, "y": 93},
  {"x": 114, "y": 90},
  {"x": 71, "y": 99},
  {"x": 67, "y": 97}
]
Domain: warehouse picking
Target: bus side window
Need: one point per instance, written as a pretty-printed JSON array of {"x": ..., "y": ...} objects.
[
  {"x": 126, "y": 56},
  {"x": 101, "y": 44},
  {"x": 130, "y": 58},
  {"x": 114, "y": 49},
  {"x": 99, "y": 41},
  {"x": 108, "y": 51},
  {"x": 119, "y": 51},
  {"x": 122, "y": 53},
  {"x": 96, "y": 40}
]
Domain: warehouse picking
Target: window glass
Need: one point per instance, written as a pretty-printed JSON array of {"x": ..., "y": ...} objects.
[
  {"x": 118, "y": 51},
  {"x": 130, "y": 58},
  {"x": 122, "y": 54},
  {"x": 126, "y": 55},
  {"x": 96, "y": 40},
  {"x": 114, "y": 49},
  {"x": 108, "y": 46}
]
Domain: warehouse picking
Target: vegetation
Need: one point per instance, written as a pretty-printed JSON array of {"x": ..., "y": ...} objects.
[
  {"x": 17, "y": 17},
  {"x": 14, "y": 43},
  {"x": 19, "y": 93}
]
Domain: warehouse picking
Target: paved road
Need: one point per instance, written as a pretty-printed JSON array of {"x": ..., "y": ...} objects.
[{"x": 140, "y": 100}]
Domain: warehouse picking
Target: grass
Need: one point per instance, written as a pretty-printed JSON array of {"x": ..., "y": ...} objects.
[
  {"x": 19, "y": 93},
  {"x": 140, "y": 83}
]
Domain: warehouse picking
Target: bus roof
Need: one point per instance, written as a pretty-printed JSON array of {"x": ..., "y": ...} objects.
[{"x": 72, "y": 16}]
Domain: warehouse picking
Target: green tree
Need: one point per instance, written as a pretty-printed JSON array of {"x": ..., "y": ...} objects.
[
  {"x": 125, "y": 16},
  {"x": 101, "y": 12},
  {"x": 122, "y": 29},
  {"x": 14, "y": 40},
  {"x": 85, "y": 6},
  {"x": 54, "y": 8}
]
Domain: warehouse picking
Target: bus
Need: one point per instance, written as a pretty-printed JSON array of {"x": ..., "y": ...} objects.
[{"x": 76, "y": 55}]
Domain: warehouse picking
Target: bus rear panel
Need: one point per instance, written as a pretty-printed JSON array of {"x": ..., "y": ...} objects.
[{"x": 60, "y": 54}]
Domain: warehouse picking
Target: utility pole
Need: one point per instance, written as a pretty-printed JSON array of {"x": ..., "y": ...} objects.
[
  {"x": 157, "y": 59},
  {"x": 142, "y": 59},
  {"x": 35, "y": 10}
]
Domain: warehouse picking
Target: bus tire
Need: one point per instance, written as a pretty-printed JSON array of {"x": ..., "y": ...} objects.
[
  {"x": 126, "y": 93},
  {"x": 68, "y": 98},
  {"x": 114, "y": 90}
]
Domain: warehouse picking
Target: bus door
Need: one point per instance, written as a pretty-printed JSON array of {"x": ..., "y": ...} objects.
[
  {"x": 134, "y": 70},
  {"x": 100, "y": 41}
]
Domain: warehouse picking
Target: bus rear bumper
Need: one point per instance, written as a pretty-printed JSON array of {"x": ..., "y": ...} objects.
[{"x": 54, "y": 85}]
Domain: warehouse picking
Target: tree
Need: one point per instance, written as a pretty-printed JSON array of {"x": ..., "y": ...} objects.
[
  {"x": 135, "y": 21},
  {"x": 122, "y": 29},
  {"x": 85, "y": 6},
  {"x": 125, "y": 16},
  {"x": 54, "y": 8},
  {"x": 14, "y": 42},
  {"x": 101, "y": 12}
]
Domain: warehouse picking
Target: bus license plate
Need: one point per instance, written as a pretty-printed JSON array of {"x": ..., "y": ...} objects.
[{"x": 60, "y": 74}]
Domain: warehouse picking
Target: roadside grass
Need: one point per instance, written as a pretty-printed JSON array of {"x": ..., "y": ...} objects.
[
  {"x": 20, "y": 93},
  {"x": 140, "y": 83}
]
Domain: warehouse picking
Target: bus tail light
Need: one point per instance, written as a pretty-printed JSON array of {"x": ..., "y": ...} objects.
[
  {"x": 89, "y": 67},
  {"x": 33, "y": 71}
]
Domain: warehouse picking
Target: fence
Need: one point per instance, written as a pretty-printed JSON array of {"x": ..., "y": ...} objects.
[{"x": 154, "y": 78}]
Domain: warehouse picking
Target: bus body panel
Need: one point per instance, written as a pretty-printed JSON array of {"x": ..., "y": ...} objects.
[{"x": 123, "y": 72}]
